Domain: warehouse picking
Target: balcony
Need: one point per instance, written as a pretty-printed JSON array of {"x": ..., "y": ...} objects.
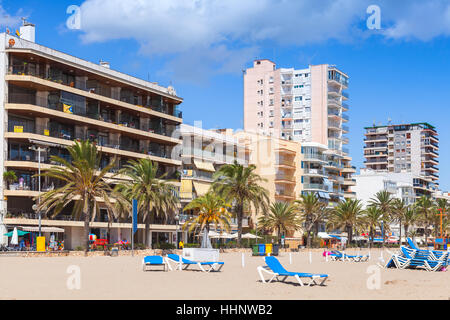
[
  {"x": 284, "y": 179},
  {"x": 89, "y": 86},
  {"x": 315, "y": 187},
  {"x": 107, "y": 118}
]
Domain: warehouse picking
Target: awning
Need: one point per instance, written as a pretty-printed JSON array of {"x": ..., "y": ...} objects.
[
  {"x": 324, "y": 235},
  {"x": 201, "y": 188},
  {"x": 206, "y": 166},
  {"x": 186, "y": 189},
  {"x": 44, "y": 229}
]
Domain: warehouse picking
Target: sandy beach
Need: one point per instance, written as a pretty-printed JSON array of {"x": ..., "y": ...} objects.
[{"x": 123, "y": 278}]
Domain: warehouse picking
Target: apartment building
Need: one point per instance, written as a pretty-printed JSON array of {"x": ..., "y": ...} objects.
[
  {"x": 307, "y": 106},
  {"x": 203, "y": 153},
  {"x": 411, "y": 149},
  {"x": 49, "y": 99}
]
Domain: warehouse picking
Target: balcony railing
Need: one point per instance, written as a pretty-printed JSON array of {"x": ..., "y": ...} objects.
[
  {"x": 82, "y": 111},
  {"x": 26, "y": 70},
  {"x": 315, "y": 186}
]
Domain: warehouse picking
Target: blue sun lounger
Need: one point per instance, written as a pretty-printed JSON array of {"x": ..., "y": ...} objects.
[
  {"x": 339, "y": 256},
  {"x": 204, "y": 266},
  {"x": 408, "y": 258},
  {"x": 154, "y": 261},
  {"x": 276, "y": 270},
  {"x": 429, "y": 254}
]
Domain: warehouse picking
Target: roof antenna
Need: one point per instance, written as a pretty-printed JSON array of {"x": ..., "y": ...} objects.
[
  {"x": 389, "y": 121},
  {"x": 374, "y": 123}
]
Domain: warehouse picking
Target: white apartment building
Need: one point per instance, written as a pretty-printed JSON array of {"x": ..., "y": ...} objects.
[
  {"x": 409, "y": 149},
  {"x": 49, "y": 99}
]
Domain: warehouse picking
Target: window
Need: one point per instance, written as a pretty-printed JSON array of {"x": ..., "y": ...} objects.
[
  {"x": 271, "y": 113},
  {"x": 271, "y": 102},
  {"x": 299, "y": 98},
  {"x": 297, "y": 132}
]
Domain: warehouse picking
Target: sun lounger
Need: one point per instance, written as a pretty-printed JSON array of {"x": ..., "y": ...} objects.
[
  {"x": 339, "y": 256},
  {"x": 154, "y": 261},
  {"x": 409, "y": 258},
  {"x": 431, "y": 254},
  {"x": 203, "y": 266},
  {"x": 276, "y": 270}
]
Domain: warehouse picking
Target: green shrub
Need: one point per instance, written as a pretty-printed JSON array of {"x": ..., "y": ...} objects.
[
  {"x": 79, "y": 248},
  {"x": 164, "y": 246},
  {"x": 100, "y": 248},
  {"x": 192, "y": 245}
]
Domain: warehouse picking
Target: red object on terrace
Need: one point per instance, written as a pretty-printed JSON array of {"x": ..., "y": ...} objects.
[{"x": 100, "y": 242}]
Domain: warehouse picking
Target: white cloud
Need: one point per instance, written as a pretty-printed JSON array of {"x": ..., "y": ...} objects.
[
  {"x": 217, "y": 36},
  {"x": 421, "y": 20},
  {"x": 8, "y": 20}
]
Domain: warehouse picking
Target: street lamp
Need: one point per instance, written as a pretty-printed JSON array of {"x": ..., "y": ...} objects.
[
  {"x": 37, "y": 208},
  {"x": 177, "y": 218}
]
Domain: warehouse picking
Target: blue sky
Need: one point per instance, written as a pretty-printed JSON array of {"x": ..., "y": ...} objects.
[{"x": 400, "y": 72}]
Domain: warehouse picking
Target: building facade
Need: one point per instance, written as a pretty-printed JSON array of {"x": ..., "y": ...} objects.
[
  {"x": 308, "y": 106},
  {"x": 203, "y": 153},
  {"x": 50, "y": 99},
  {"x": 411, "y": 149}
]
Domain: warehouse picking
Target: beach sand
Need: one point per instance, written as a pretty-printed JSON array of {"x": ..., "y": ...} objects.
[{"x": 123, "y": 278}]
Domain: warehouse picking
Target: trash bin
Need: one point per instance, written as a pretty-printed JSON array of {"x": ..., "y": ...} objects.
[
  {"x": 268, "y": 249},
  {"x": 255, "y": 250},
  {"x": 262, "y": 249},
  {"x": 276, "y": 249},
  {"x": 114, "y": 252}
]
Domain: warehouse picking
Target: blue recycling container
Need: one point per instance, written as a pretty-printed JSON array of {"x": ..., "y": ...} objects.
[{"x": 262, "y": 249}]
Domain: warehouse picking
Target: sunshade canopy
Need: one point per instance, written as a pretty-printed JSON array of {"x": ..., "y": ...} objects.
[{"x": 19, "y": 232}]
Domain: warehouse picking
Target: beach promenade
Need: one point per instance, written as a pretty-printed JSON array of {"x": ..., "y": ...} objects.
[{"x": 123, "y": 278}]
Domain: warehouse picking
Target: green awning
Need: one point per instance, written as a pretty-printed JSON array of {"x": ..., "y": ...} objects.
[{"x": 19, "y": 232}]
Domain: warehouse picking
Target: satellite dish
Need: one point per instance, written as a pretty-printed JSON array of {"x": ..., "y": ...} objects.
[{"x": 34, "y": 207}]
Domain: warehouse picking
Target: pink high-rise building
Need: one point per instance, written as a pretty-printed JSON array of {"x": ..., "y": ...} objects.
[{"x": 307, "y": 106}]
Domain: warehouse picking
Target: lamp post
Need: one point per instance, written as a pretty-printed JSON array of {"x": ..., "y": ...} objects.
[
  {"x": 177, "y": 218},
  {"x": 39, "y": 150}
]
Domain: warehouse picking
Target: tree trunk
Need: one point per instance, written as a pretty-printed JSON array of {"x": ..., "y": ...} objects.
[
  {"x": 350, "y": 234},
  {"x": 147, "y": 230},
  {"x": 400, "y": 236},
  {"x": 371, "y": 237},
  {"x": 87, "y": 219},
  {"x": 239, "y": 216},
  {"x": 406, "y": 230},
  {"x": 308, "y": 238}
]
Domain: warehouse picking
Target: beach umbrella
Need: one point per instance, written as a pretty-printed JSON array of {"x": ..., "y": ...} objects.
[
  {"x": 250, "y": 236},
  {"x": 3, "y": 237},
  {"x": 20, "y": 233},
  {"x": 15, "y": 237}
]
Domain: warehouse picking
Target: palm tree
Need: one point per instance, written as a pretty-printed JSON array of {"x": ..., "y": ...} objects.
[
  {"x": 84, "y": 185},
  {"x": 155, "y": 196},
  {"x": 398, "y": 211},
  {"x": 346, "y": 215},
  {"x": 409, "y": 219},
  {"x": 209, "y": 209},
  {"x": 240, "y": 186},
  {"x": 383, "y": 201},
  {"x": 9, "y": 177},
  {"x": 372, "y": 218},
  {"x": 281, "y": 217},
  {"x": 425, "y": 209},
  {"x": 311, "y": 211}
]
